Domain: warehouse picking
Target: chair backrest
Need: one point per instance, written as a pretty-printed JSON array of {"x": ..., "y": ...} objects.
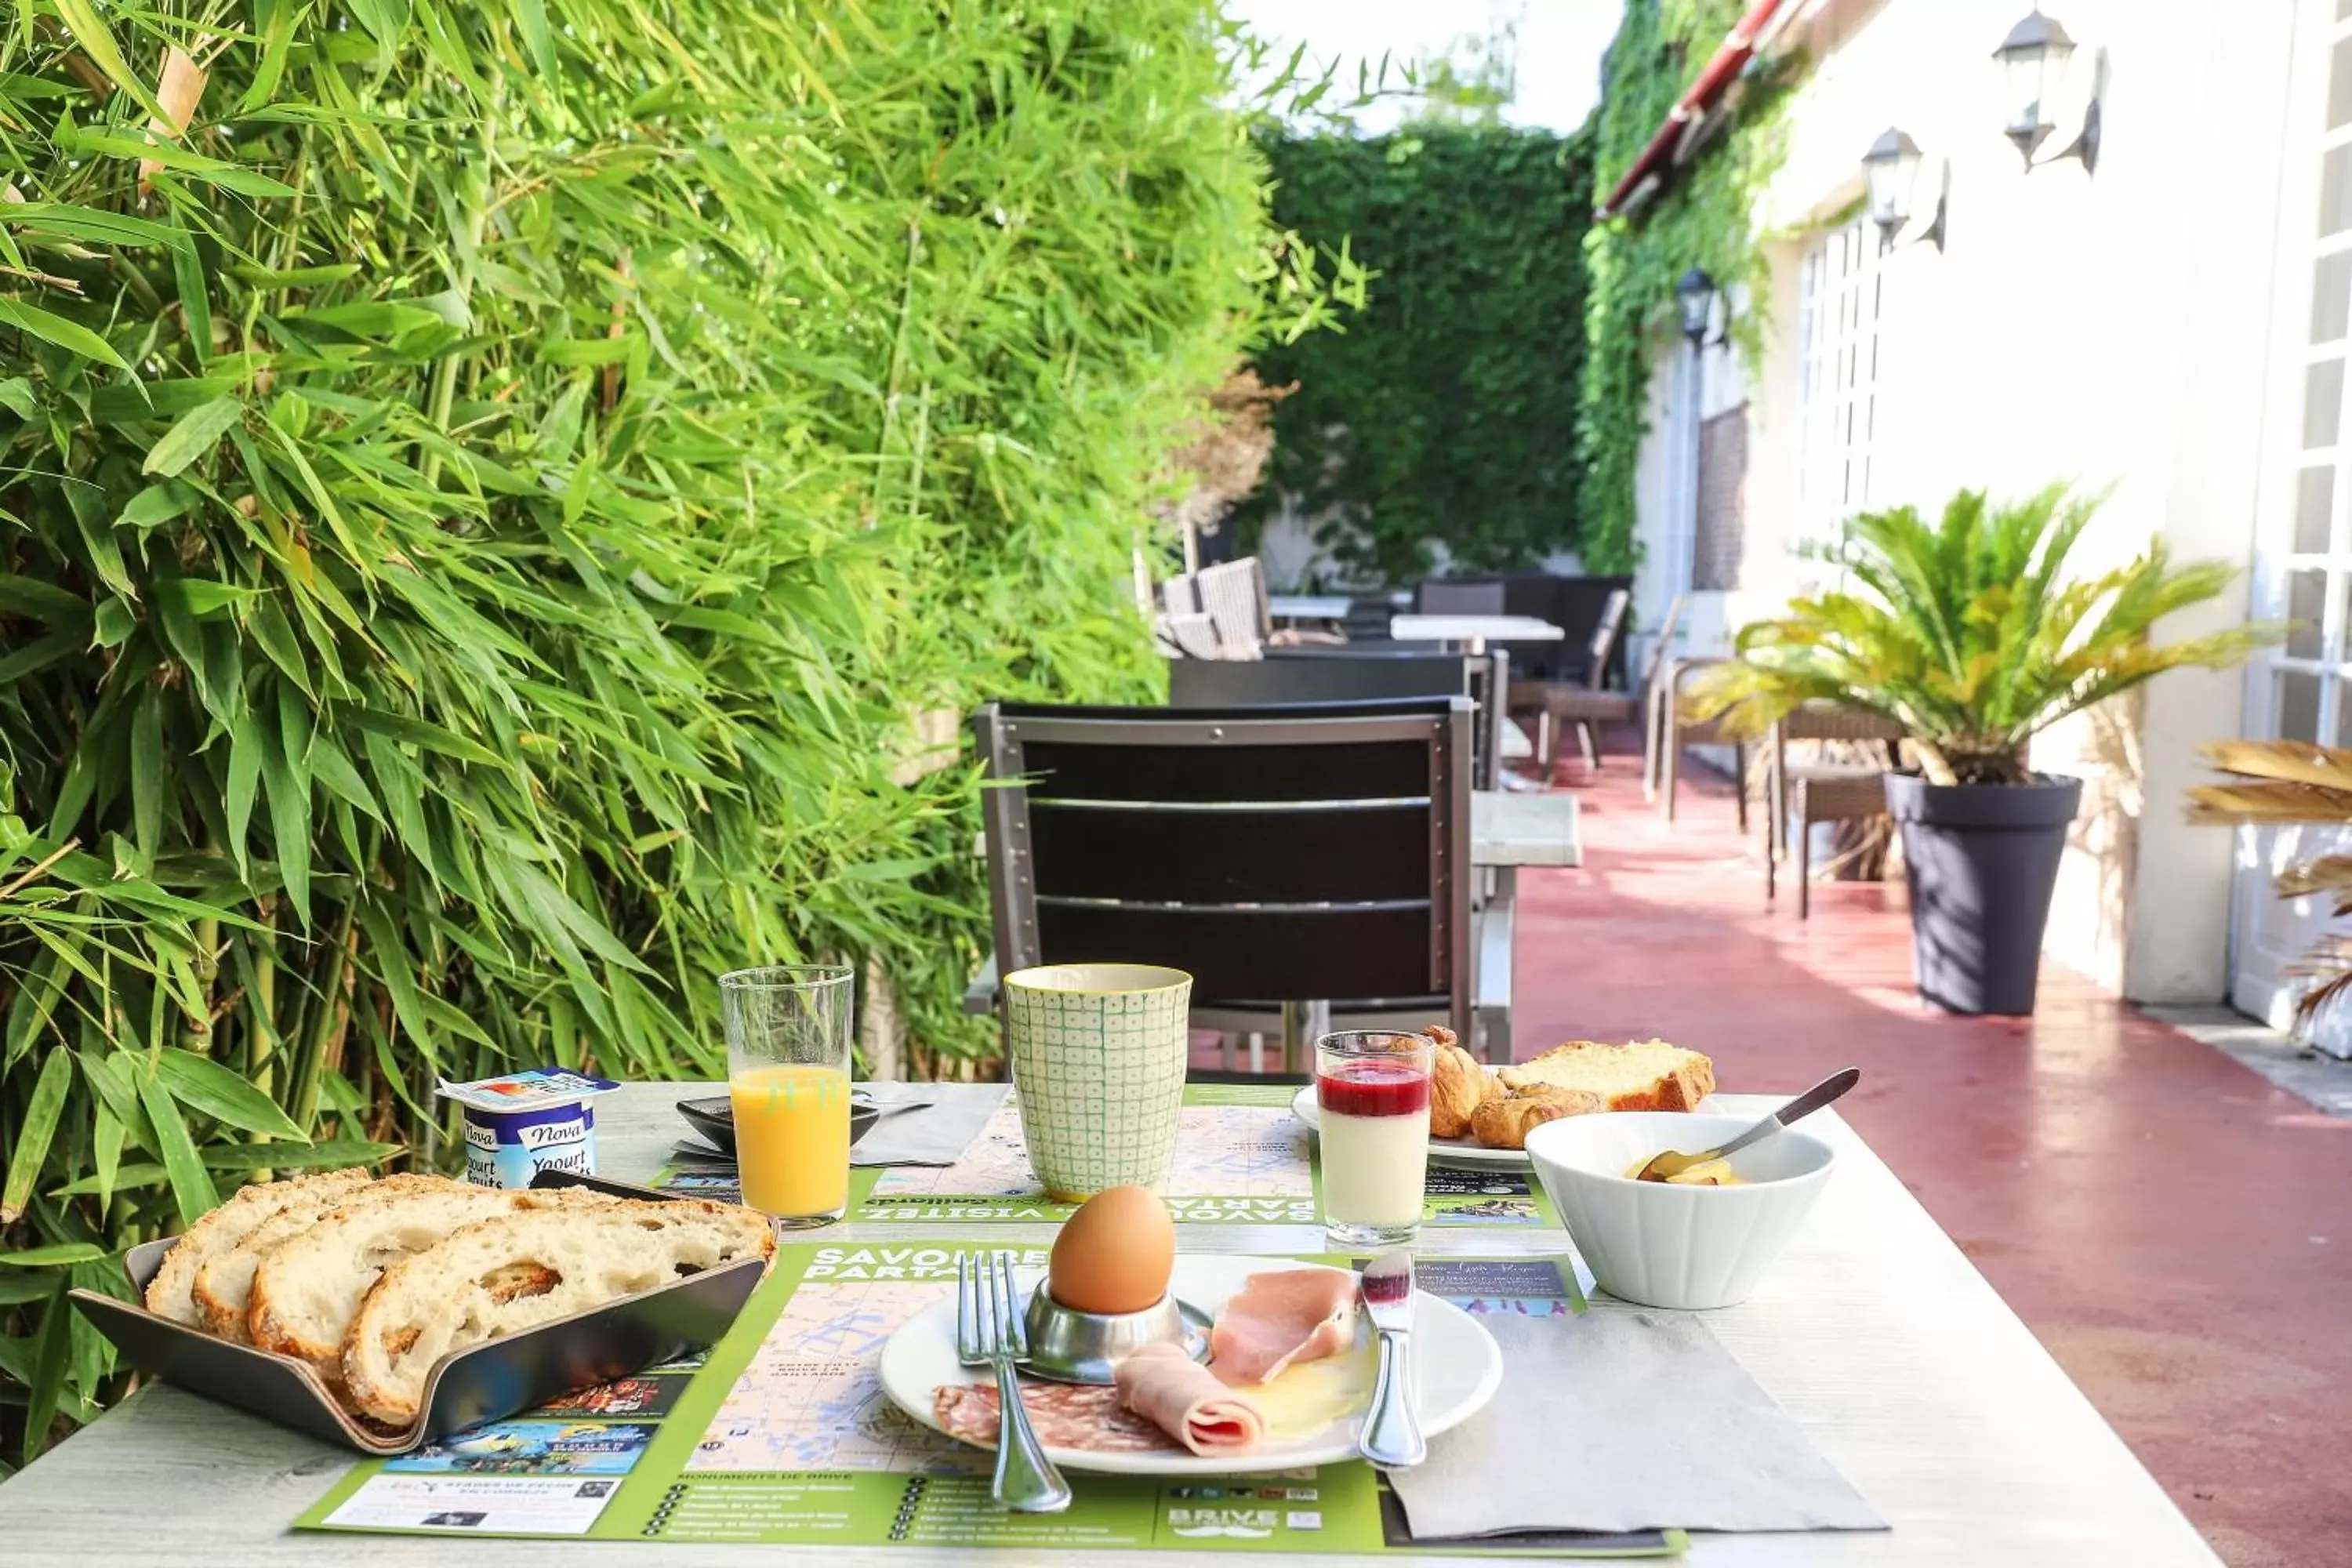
[
  {"x": 1290, "y": 676},
  {"x": 1830, "y": 722},
  {"x": 1349, "y": 674},
  {"x": 1310, "y": 853},
  {"x": 1180, "y": 596},
  {"x": 1189, "y": 639},
  {"x": 1234, "y": 594},
  {"x": 1600, "y": 648},
  {"x": 1662, "y": 654},
  {"x": 1577, "y": 604},
  {"x": 1459, "y": 596}
]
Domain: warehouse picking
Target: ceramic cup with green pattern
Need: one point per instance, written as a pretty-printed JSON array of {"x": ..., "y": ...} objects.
[{"x": 1097, "y": 1055}]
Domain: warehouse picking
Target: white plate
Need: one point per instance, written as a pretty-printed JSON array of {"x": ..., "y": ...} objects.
[
  {"x": 1462, "y": 1153},
  {"x": 1456, "y": 1368}
]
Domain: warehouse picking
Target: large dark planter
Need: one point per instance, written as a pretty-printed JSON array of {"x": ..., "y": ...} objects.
[{"x": 1983, "y": 860}]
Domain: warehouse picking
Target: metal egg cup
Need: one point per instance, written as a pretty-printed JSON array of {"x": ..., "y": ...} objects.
[{"x": 1067, "y": 1345}]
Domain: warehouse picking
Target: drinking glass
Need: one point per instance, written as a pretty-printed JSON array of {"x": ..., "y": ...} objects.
[
  {"x": 1371, "y": 1087},
  {"x": 788, "y": 1044}
]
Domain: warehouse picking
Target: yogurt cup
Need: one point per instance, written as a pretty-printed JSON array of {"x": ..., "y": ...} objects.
[{"x": 521, "y": 1123}]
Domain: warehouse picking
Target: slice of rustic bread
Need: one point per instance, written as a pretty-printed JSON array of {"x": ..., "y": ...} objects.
[
  {"x": 1644, "y": 1075},
  {"x": 172, "y": 1294},
  {"x": 514, "y": 1271},
  {"x": 224, "y": 1288},
  {"x": 307, "y": 1290}
]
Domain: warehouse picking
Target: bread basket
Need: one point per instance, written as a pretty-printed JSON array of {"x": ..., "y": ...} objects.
[{"x": 485, "y": 1383}]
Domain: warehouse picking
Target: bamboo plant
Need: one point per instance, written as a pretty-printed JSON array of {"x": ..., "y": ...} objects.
[{"x": 485, "y": 488}]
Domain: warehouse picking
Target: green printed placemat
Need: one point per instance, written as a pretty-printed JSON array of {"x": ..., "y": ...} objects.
[
  {"x": 783, "y": 1437},
  {"x": 1241, "y": 1158}
]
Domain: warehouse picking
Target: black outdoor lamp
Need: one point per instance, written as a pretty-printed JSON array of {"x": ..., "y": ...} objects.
[
  {"x": 1695, "y": 298},
  {"x": 2033, "y": 60},
  {"x": 1890, "y": 171}
]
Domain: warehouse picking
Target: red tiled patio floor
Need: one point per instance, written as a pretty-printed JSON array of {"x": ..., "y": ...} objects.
[{"x": 2175, "y": 1231}]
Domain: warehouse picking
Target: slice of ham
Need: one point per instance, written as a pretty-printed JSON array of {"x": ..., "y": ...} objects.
[
  {"x": 1296, "y": 1314},
  {"x": 1065, "y": 1416},
  {"x": 1185, "y": 1399}
]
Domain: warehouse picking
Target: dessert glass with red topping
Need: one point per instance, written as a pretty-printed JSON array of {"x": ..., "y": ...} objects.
[{"x": 1371, "y": 1087}]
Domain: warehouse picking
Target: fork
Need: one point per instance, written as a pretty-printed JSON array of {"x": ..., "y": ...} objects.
[{"x": 992, "y": 1332}]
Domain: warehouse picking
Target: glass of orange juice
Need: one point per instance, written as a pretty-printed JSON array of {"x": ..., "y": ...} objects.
[{"x": 788, "y": 1041}]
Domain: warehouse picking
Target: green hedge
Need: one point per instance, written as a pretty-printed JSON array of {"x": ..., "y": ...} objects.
[
  {"x": 475, "y": 533},
  {"x": 1446, "y": 410}
]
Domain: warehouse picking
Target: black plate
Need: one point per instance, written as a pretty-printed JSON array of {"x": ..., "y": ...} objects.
[{"x": 714, "y": 1118}]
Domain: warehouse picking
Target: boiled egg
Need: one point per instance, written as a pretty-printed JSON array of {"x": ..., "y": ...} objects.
[{"x": 1115, "y": 1255}]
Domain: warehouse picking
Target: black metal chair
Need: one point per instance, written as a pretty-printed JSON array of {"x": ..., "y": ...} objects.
[{"x": 1298, "y": 862}]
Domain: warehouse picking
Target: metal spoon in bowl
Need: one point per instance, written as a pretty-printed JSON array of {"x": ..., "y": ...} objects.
[{"x": 1667, "y": 1164}]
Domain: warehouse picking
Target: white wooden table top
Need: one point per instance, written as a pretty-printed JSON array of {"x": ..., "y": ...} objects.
[
  {"x": 1509, "y": 829},
  {"x": 1308, "y": 607},
  {"x": 1872, "y": 1331},
  {"x": 1463, "y": 628}
]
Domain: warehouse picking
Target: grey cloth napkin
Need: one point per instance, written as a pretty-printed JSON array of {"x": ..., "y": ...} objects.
[
  {"x": 1625, "y": 1418},
  {"x": 938, "y": 1134}
]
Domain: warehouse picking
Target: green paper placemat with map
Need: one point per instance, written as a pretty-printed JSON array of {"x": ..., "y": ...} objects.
[
  {"x": 1241, "y": 1158},
  {"x": 783, "y": 1436}
]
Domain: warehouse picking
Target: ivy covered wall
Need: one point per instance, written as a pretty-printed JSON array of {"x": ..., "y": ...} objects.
[
  {"x": 1447, "y": 409},
  {"x": 1704, "y": 218}
]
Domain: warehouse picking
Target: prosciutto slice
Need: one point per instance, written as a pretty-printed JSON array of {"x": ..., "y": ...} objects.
[
  {"x": 1185, "y": 1399},
  {"x": 1293, "y": 1315}
]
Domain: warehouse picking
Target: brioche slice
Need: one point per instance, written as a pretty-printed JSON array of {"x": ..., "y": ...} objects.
[
  {"x": 224, "y": 1288},
  {"x": 172, "y": 1294},
  {"x": 307, "y": 1289},
  {"x": 520, "y": 1269},
  {"x": 1644, "y": 1075},
  {"x": 1505, "y": 1121}
]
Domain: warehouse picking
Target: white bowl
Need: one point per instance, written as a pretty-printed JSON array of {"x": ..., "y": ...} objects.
[{"x": 1665, "y": 1245}]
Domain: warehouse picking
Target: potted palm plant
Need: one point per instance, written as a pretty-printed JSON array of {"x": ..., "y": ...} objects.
[{"x": 1968, "y": 633}]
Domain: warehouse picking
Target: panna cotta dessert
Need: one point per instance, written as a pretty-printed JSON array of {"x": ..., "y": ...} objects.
[{"x": 1372, "y": 1090}]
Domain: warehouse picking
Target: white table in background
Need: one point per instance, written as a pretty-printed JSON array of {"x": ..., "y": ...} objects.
[
  {"x": 1307, "y": 606},
  {"x": 1473, "y": 632},
  {"x": 1873, "y": 1330}
]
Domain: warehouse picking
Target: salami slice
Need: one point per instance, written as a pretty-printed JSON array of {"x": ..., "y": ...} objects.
[{"x": 1065, "y": 1414}]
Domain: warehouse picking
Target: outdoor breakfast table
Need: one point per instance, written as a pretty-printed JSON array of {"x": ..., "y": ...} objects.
[{"x": 1872, "y": 1331}]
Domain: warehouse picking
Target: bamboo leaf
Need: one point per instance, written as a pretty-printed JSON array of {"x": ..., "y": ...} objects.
[
  {"x": 33, "y": 1134},
  {"x": 52, "y": 1256},
  {"x": 206, "y": 1086},
  {"x": 300, "y": 1156},
  {"x": 51, "y": 327},
  {"x": 81, "y": 19},
  {"x": 192, "y": 1188},
  {"x": 192, "y": 436},
  {"x": 50, "y": 1354}
]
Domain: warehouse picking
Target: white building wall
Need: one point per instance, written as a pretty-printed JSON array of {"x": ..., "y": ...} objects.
[{"x": 2106, "y": 328}]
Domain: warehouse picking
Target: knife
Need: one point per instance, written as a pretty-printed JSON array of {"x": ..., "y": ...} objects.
[{"x": 1391, "y": 1435}]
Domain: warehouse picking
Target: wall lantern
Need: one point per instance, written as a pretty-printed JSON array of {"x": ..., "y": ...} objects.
[
  {"x": 2033, "y": 62},
  {"x": 1891, "y": 176},
  {"x": 1695, "y": 299}
]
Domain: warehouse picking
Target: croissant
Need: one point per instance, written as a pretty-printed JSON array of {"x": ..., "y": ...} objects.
[
  {"x": 1505, "y": 1121},
  {"x": 1457, "y": 1084}
]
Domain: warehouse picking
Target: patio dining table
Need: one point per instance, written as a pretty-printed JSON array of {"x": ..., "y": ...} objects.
[{"x": 1873, "y": 1332}]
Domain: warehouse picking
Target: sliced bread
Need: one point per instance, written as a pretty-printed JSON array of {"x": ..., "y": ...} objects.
[
  {"x": 171, "y": 1292},
  {"x": 1644, "y": 1075},
  {"x": 224, "y": 1288},
  {"x": 308, "y": 1289},
  {"x": 519, "y": 1269}
]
